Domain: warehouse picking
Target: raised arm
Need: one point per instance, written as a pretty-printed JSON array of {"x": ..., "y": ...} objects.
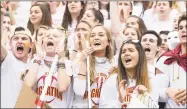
[
  {"x": 3, "y": 48},
  {"x": 115, "y": 21},
  {"x": 79, "y": 80},
  {"x": 64, "y": 75},
  {"x": 80, "y": 72}
]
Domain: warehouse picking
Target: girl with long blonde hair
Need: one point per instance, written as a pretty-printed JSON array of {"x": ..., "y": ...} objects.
[{"x": 100, "y": 55}]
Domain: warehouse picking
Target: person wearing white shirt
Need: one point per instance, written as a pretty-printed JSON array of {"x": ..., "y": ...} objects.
[
  {"x": 73, "y": 13},
  {"x": 39, "y": 15},
  {"x": 39, "y": 68},
  {"x": 56, "y": 13},
  {"x": 78, "y": 42},
  {"x": 100, "y": 55},
  {"x": 171, "y": 69},
  {"x": 131, "y": 76},
  {"x": 90, "y": 16},
  {"x": 12, "y": 64},
  {"x": 161, "y": 18},
  {"x": 151, "y": 42}
]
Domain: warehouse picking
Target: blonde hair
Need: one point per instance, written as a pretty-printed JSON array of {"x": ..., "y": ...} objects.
[{"x": 108, "y": 54}]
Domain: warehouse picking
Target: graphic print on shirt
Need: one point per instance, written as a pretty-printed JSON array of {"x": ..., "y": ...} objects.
[
  {"x": 96, "y": 88},
  {"x": 52, "y": 91},
  {"x": 128, "y": 97}
]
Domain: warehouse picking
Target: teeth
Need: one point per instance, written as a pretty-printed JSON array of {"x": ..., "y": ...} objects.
[{"x": 97, "y": 44}]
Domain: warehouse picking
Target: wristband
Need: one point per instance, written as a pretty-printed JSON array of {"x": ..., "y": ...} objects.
[
  {"x": 81, "y": 74},
  {"x": 61, "y": 65},
  {"x": 75, "y": 50}
]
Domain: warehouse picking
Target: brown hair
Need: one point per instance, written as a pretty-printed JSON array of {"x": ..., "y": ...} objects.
[
  {"x": 109, "y": 52},
  {"x": 42, "y": 26},
  {"x": 67, "y": 19},
  {"x": 181, "y": 18},
  {"x": 46, "y": 17},
  {"x": 142, "y": 27},
  {"x": 137, "y": 31},
  {"x": 141, "y": 73}
]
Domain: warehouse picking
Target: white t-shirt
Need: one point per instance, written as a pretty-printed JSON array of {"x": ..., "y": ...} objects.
[
  {"x": 109, "y": 92},
  {"x": 173, "y": 76},
  {"x": 11, "y": 84},
  {"x": 138, "y": 9},
  {"x": 54, "y": 98},
  {"x": 102, "y": 66},
  {"x": 57, "y": 18},
  {"x": 152, "y": 22}
]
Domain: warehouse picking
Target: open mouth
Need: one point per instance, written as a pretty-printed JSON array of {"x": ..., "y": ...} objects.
[
  {"x": 50, "y": 44},
  {"x": 97, "y": 43},
  {"x": 20, "y": 48},
  {"x": 33, "y": 18},
  {"x": 161, "y": 11},
  {"x": 176, "y": 27},
  {"x": 73, "y": 7},
  {"x": 147, "y": 49},
  {"x": 184, "y": 36},
  {"x": 122, "y": 14},
  {"x": 128, "y": 60}
]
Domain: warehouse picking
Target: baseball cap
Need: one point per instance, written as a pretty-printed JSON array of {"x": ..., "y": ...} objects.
[{"x": 20, "y": 30}]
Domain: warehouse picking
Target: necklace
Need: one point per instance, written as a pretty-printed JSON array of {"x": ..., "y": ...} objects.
[
  {"x": 100, "y": 60},
  {"x": 174, "y": 74},
  {"x": 131, "y": 80},
  {"x": 48, "y": 63}
]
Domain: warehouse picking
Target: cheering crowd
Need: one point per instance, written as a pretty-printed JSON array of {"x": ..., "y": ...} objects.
[{"x": 107, "y": 52}]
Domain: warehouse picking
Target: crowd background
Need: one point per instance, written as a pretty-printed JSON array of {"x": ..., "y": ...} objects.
[{"x": 127, "y": 40}]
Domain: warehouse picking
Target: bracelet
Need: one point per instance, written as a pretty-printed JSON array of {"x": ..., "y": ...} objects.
[
  {"x": 81, "y": 74},
  {"x": 24, "y": 74},
  {"x": 75, "y": 50},
  {"x": 61, "y": 65},
  {"x": 37, "y": 61}
]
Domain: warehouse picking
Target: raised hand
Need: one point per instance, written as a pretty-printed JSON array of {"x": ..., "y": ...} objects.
[
  {"x": 122, "y": 90},
  {"x": 86, "y": 52},
  {"x": 171, "y": 93},
  {"x": 180, "y": 97},
  {"x": 141, "y": 89}
]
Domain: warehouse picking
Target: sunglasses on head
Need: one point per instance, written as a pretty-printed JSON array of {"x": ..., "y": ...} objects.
[
  {"x": 45, "y": 27},
  {"x": 130, "y": 40}
]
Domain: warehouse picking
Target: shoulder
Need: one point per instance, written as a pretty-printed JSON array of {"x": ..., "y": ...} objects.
[
  {"x": 37, "y": 59},
  {"x": 160, "y": 63},
  {"x": 10, "y": 58}
]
